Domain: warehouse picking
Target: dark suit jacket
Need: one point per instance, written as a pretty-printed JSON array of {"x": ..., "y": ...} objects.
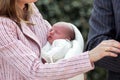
[{"x": 105, "y": 24}]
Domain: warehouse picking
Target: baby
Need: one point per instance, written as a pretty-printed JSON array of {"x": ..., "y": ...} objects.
[{"x": 59, "y": 42}]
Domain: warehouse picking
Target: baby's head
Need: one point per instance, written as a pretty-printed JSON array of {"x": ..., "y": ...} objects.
[{"x": 61, "y": 30}]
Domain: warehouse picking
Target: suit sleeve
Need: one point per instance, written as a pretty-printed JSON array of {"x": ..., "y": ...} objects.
[{"x": 102, "y": 27}]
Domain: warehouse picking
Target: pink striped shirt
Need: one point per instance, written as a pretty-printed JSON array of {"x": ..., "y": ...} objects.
[{"x": 20, "y": 53}]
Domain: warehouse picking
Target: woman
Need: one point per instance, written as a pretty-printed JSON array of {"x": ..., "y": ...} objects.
[{"x": 23, "y": 32}]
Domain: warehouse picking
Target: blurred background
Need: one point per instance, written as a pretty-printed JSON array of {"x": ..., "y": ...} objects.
[{"x": 78, "y": 13}]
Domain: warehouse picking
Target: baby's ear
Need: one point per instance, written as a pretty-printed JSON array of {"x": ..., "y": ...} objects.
[{"x": 69, "y": 38}]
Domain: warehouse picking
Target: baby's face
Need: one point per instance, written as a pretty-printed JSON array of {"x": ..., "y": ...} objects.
[{"x": 56, "y": 32}]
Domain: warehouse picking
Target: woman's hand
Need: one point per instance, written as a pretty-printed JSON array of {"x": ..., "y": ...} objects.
[{"x": 105, "y": 48}]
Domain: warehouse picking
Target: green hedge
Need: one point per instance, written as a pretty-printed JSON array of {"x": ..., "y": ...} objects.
[{"x": 74, "y": 11}]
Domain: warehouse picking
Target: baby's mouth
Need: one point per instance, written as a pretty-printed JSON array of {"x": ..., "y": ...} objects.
[{"x": 49, "y": 37}]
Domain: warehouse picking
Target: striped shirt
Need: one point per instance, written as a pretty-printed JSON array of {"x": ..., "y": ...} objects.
[{"x": 20, "y": 53}]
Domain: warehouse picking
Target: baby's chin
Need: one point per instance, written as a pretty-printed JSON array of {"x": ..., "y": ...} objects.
[{"x": 50, "y": 41}]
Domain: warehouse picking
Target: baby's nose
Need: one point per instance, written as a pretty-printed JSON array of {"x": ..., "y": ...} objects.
[{"x": 52, "y": 32}]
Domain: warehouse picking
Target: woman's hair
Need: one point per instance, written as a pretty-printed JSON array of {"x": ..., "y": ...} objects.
[{"x": 9, "y": 8}]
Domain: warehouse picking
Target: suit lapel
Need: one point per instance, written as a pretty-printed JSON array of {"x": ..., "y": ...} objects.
[{"x": 27, "y": 31}]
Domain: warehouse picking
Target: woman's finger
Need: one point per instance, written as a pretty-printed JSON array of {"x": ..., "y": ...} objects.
[
  {"x": 112, "y": 43},
  {"x": 111, "y": 54},
  {"x": 112, "y": 49}
]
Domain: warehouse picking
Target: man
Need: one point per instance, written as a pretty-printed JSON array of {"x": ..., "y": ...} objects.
[{"x": 104, "y": 25}]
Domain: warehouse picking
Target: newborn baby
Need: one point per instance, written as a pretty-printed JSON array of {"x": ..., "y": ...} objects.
[{"x": 59, "y": 42}]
